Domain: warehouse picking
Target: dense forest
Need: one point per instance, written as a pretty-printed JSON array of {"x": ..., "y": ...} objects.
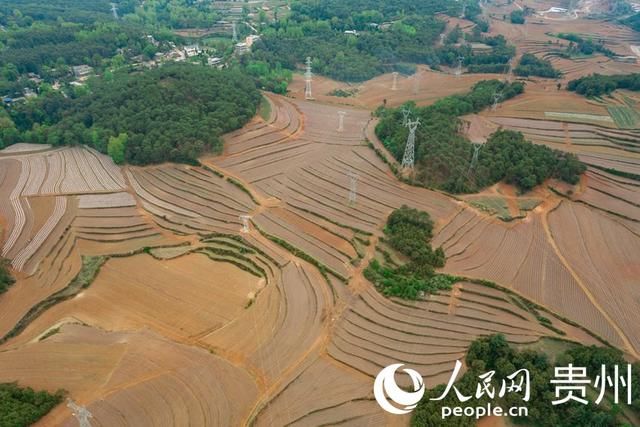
[
  {"x": 495, "y": 353},
  {"x": 531, "y": 65},
  {"x": 78, "y": 11},
  {"x": 6, "y": 279},
  {"x": 598, "y": 84},
  {"x": 173, "y": 113},
  {"x": 443, "y": 155},
  {"x": 362, "y": 39},
  {"x": 21, "y": 407},
  {"x": 50, "y": 50},
  {"x": 409, "y": 231}
]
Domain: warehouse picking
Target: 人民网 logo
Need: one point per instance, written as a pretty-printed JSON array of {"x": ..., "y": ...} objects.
[{"x": 385, "y": 389}]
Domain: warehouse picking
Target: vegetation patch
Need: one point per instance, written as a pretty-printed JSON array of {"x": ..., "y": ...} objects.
[
  {"x": 526, "y": 205},
  {"x": 531, "y": 65},
  {"x": 6, "y": 279},
  {"x": 492, "y": 205},
  {"x": 24, "y": 406},
  {"x": 265, "y": 109},
  {"x": 172, "y": 113},
  {"x": 343, "y": 93},
  {"x": 493, "y": 353},
  {"x": 243, "y": 188},
  {"x": 625, "y": 117},
  {"x": 583, "y": 46},
  {"x": 409, "y": 231},
  {"x": 597, "y": 84},
  {"x": 444, "y": 158},
  {"x": 580, "y": 117}
]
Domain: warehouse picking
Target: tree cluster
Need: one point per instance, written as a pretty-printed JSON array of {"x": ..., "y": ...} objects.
[
  {"x": 172, "y": 113},
  {"x": 50, "y": 49},
  {"x": 443, "y": 155},
  {"x": 531, "y": 65},
  {"x": 579, "y": 45},
  {"x": 493, "y": 353},
  {"x": 598, "y": 84},
  {"x": 508, "y": 157},
  {"x": 6, "y": 279},
  {"x": 389, "y": 36},
  {"x": 517, "y": 16},
  {"x": 409, "y": 231},
  {"x": 21, "y": 407}
]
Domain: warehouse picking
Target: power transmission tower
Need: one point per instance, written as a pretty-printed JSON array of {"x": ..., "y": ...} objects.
[
  {"x": 464, "y": 11},
  {"x": 417, "y": 77},
  {"x": 459, "y": 69},
  {"x": 496, "y": 99},
  {"x": 395, "y": 81},
  {"x": 408, "y": 160},
  {"x": 474, "y": 159},
  {"x": 405, "y": 115},
  {"x": 245, "y": 223},
  {"x": 353, "y": 187},
  {"x": 81, "y": 413},
  {"x": 510, "y": 71},
  {"x": 341, "y": 115},
  {"x": 308, "y": 76},
  {"x": 442, "y": 36},
  {"x": 235, "y": 31},
  {"x": 114, "y": 10}
]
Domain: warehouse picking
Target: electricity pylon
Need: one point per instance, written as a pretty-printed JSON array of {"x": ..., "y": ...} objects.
[
  {"x": 245, "y": 223},
  {"x": 81, "y": 413},
  {"x": 353, "y": 187},
  {"x": 341, "y": 115},
  {"x": 496, "y": 99},
  {"x": 308, "y": 75},
  {"x": 405, "y": 115},
  {"x": 408, "y": 160},
  {"x": 459, "y": 69},
  {"x": 474, "y": 158}
]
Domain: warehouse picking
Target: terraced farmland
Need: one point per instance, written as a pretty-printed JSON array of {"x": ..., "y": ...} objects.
[{"x": 141, "y": 293}]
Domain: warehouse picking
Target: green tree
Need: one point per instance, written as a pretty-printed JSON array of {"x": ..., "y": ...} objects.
[{"x": 117, "y": 148}]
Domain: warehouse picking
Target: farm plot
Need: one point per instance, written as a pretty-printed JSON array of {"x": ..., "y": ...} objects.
[
  {"x": 284, "y": 122},
  {"x": 183, "y": 198},
  {"x": 126, "y": 378},
  {"x": 430, "y": 335},
  {"x": 22, "y": 147},
  {"x": 282, "y": 328},
  {"x": 80, "y": 170},
  {"x": 113, "y": 200},
  {"x": 608, "y": 194},
  {"x": 324, "y": 393},
  {"x": 522, "y": 258},
  {"x": 179, "y": 298},
  {"x": 603, "y": 254},
  {"x": 624, "y": 116},
  {"x": 86, "y": 232}
]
